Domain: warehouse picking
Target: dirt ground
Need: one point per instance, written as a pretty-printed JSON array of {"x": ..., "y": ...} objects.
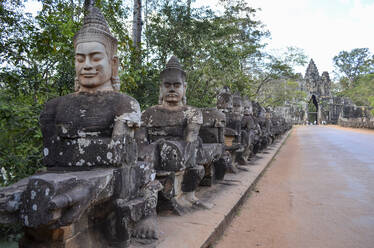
[{"x": 317, "y": 193}]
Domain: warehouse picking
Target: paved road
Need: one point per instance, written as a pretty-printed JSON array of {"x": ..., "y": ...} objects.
[{"x": 318, "y": 193}]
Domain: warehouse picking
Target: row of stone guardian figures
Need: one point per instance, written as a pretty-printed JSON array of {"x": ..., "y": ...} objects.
[{"x": 111, "y": 168}]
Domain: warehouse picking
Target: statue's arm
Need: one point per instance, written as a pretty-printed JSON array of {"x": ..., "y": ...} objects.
[
  {"x": 195, "y": 120},
  {"x": 192, "y": 132},
  {"x": 122, "y": 130},
  {"x": 47, "y": 121},
  {"x": 127, "y": 119}
]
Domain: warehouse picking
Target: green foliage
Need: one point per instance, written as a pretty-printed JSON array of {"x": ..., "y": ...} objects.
[
  {"x": 216, "y": 49},
  {"x": 281, "y": 92},
  {"x": 39, "y": 66},
  {"x": 272, "y": 68},
  {"x": 356, "y": 80},
  {"x": 351, "y": 65},
  {"x": 362, "y": 94},
  {"x": 20, "y": 139}
]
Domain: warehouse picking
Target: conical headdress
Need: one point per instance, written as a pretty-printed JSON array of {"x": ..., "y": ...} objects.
[
  {"x": 171, "y": 65},
  {"x": 95, "y": 28}
]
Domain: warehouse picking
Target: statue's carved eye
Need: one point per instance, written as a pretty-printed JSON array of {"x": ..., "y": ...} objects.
[
  {"x": 97, "y": 57},
  {"x": 177, "y": 85},
  {"x": 79, "y": 58},
  {"x": 167, "y": 85}
]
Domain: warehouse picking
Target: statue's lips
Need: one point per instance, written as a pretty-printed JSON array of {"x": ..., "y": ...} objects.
[
  {"x": 89, "y": 75},
  {"x": 172, "y": 95}
]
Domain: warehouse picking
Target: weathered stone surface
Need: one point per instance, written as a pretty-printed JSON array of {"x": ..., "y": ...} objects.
[
  {"x": 212, "y": 149},
  {"x": 95, "y": 193},
  {"x": 329, "y": 109},
  {"x": 172, "y": 128},
  {"x": 166, "y": 123},
  {"x": 10, "y": 201},
  {"x": 47, "y": 197},
  {"x": 78, "y": 135}
]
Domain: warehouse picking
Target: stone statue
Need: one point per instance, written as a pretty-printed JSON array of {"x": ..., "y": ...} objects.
[
  {"x": 259, "y": 118},
  {"x": 270, "y": 127},
  {"x": 248, "y": 131},
  {"x": 212, "y": 154},
  {"x": 172, "y": 128},
  {"x": 231, "y": 106},
  {"x": 94, "y": 193}
]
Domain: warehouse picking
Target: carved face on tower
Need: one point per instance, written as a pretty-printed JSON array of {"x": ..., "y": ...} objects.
[
  {"x": 96, "y": 64},
  {"x": 173, "y": 85}
]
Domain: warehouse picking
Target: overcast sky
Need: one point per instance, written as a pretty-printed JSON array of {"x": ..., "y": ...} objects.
[{"x": 322, "y": 28}]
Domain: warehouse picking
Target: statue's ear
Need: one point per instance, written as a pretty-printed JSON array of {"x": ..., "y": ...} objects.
[
  {"x": 184, "y": 98},
  {"x": 115, "y": 65},
  {"x": 160, "y": 98}
]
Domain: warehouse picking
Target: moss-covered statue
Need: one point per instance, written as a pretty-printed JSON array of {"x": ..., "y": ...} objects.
[
  {"x": 94, "y": 193},
  {"x": 172, "y": 128}
]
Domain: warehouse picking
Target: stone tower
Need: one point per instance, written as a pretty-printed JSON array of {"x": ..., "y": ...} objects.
[
  {"x": 319, "y": 86},
  {"x": 326, "y": 84},
  {"x": 312, "y": 78}
]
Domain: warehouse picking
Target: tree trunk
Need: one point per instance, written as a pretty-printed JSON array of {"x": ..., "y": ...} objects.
[
  {"x": 189, "y": 9},
  {"x": 137, "y": 24}
]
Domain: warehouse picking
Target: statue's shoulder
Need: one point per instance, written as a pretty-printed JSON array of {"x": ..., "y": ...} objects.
[
  {"x": 127, "y": 108},
  {"x": 193, "y": 115},
  {"x": 51, "y": 105},
  {"x": 127, "y": 103},
  {"x": 151, "y": 112},
  {"x": 213, "y": 117}
]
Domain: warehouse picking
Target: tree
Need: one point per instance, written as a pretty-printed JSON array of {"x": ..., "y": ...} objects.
[
  {"x": 351, "y": 65},
  {"x": 273, "y": 72},
  {"x": 36, "y": 64},
  {"x": 137, "y": 24},
  {"x": 362, "y": 94},
  {"x": 214, "y": 48}
]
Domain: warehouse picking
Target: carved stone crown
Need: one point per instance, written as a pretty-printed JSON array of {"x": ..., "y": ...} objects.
[
  {"x": 95, "y": 28},
  {"x": 171, "y": 65}
]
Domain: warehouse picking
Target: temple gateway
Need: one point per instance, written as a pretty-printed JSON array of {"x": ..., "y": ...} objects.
[{"x": 322, "y": 107}]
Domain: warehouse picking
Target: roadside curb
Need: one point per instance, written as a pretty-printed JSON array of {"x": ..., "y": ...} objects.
[{"x": 202, "y": 228}]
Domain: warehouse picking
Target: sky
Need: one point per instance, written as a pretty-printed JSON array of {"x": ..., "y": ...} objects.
[{"x": 322, "y": 28}]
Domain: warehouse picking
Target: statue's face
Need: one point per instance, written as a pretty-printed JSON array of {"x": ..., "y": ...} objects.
[
  {"x": 92, "y": 64},
  {"x": 262, "y": 113},
  {"x": 173, "y": 88},
  {"x": 224, "y": 102},
  {"x": 247, "y": 106},
  {"x": 237, "y": 107}
]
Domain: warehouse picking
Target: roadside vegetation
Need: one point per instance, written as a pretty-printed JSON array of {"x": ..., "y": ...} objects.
[
  {"x": 355, "y": 76},
  {"x": 222, "y": 47},
  {"x": 216, "y": 47}
]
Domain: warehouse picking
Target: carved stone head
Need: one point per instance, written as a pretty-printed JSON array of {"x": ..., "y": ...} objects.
[
  {"x": 173, "y": 84},
  {"x": 225, "y": 100},
  {"x": 261, "y": 112},
  {"x": 247, "y": 106},
  {"x": 269, "y": 112},
  {"x": 96, "y": 63},
  {"x": 237, "y": 106},
  {"x": 256, "y": 109}
]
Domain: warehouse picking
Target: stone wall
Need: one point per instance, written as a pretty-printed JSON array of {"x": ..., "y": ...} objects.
[{"x": 356, "y": 116}]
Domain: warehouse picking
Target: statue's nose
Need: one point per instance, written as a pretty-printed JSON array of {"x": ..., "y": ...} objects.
[{"x": 87, "y": 64}]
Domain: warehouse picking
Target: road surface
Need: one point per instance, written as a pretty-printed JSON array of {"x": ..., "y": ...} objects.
[{"x": 318, "y": 193}]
